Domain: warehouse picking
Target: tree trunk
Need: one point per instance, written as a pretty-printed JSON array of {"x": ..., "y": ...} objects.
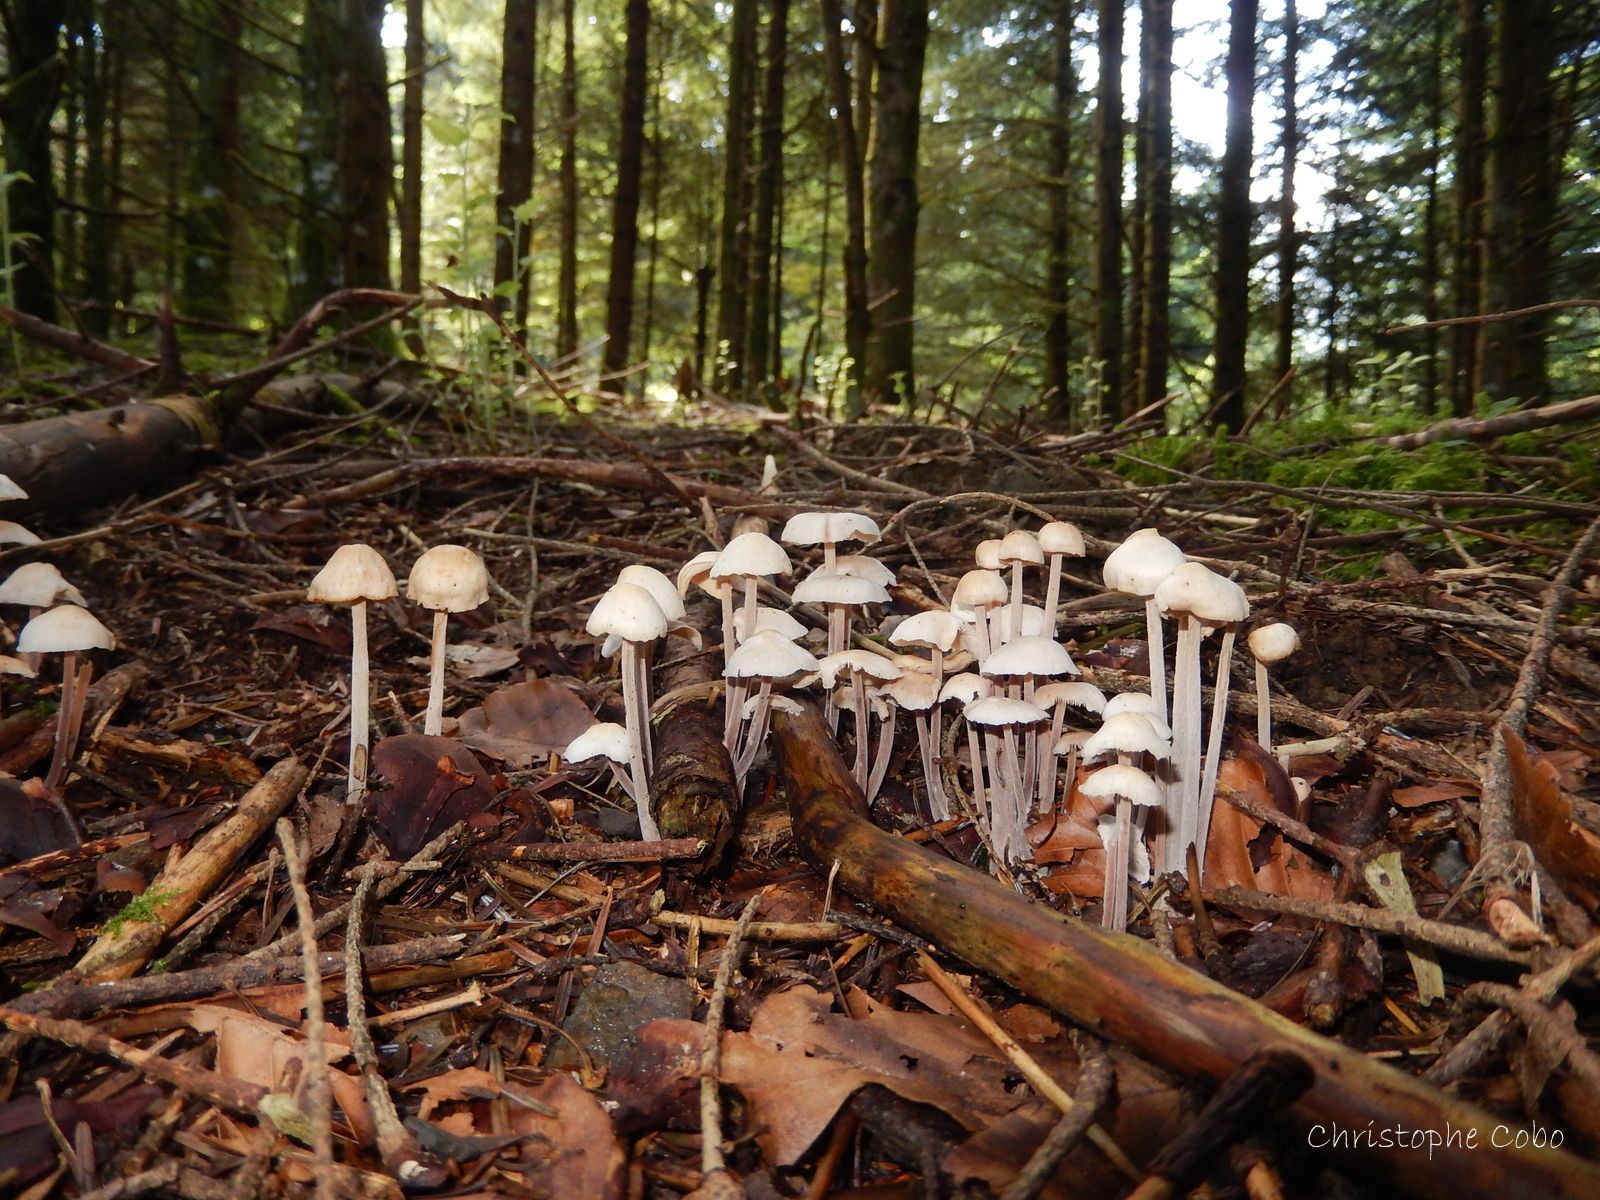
[
  {"x": 892, "y": 174},
  {"x": 1157, "y": 341},
  {"x": 100, "y": 221},
  {"x": 319, "y": 237},
  {"x": 213, "y": 195},
  {"x": 1233, "y": 222},
  {"x": 1522, "y": 187},
  {"x": 654, "y": 255},
  {"x": 1108, "y": 210},
  {"x": 1058, "y": 260},
  {"x": 766, "y": 200},
  {"x": 731, "y": 276},
  {"x": 567, "y": 303},
  {"x": 515, "y": 175},
  {"x": 1289, "y": 143},
  {"x": 864, "y": 70},
  {"x": 625, "y": 203},
  {"x": 1472, "y": 34},
  {"x": 366, "y": 159},
  {"x": 1137, "y": 231},
  {"x": 410, "y": 213},
  {"x": 856, "y": 317},
  {"x": 1430, "y": 221},
  {"x": 28, "y": 103}
]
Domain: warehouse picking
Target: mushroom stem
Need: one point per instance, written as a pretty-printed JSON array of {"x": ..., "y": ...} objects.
[
  {"x": 638, "y": 725},
  {"x": 836, "y": 643},
  {"x": 1017, "y": 806},
  {"x": 69, "y": 720},
  {"x": 1219, "y": 714},
  {"x": 1114, "y": 910},
  {"x": 858, "y": 703},
  {"x": 641, "y": 672},
  {"x": 733, "y": 693},
  {"x": 623, "y": 781},
  {"x": 1047, "y": 758},
  {"x": 1158, "y": 658},
  {"x": 880, "y": 760},
  {"x": 1052, "y": 592},
  {"x": 755, "y": 733},
  {"x": 979, "y": 798},
  {"x": 938, "y": 805},
  {"x": 1263, "y": 708},
  {"x": 1183, "y": 795},
  {"x": 356, "y": 772},
  {"x": 433, "y": 721},
  {"x": 936, "y": 757},
  {"x": 1016, "y": 599}
]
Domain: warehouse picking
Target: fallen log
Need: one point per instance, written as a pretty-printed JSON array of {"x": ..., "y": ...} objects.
[
  {"x": 696, "y": 794},
  {"x": 1378, "y": 1121}
]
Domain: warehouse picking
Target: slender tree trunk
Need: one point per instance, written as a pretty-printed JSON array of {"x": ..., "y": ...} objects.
[
  {"x": 864, "y": 70},
  {"x": 856, "y": 318},
  {"x": 814, "y": 334},
  {"x": 567, "y": 302},
  {"x": 1157, "y": 341},
  {"x": 1137, "y": 229},
  {"x": 655, "y": 141},
  {"x": 366, "y": 158},
  {"x": 319, "y": 235},
  {"x": 892, "y": 175},
  {"x": 1058, "y": 260},
  {"x": 515, "y": 174},
  {"x": 213, "y": 193},
  {"x": 731, "y": 276},
  {"x": 1472, "y": 35},
  {"x": 1108, "y": 208},
  {"x": 1289, "y": 144},
  {"x": 703, "y": 279},
  {"x": 1430, "y": 222},
  {"x": 77, "y": 53},
  {"x": 1233, "y": 222},
  {"x": 100, "y": 222},
  {"x": 122, "y": 265},
  {"x": 28, "y": 103},
  {"x": 411, "y": 110},
  {"x": 766, "y": 199},
  {"x": 775, "y": 367},
  {"x": 625, "y": 203}
]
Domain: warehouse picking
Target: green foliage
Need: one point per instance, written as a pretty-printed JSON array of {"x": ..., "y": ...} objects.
[{"x": 141, "y": 909}]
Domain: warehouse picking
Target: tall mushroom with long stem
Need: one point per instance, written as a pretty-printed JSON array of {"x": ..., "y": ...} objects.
[
  {"x": 838, "y": 595},
  {"x": 66, "y": 630},
  {"x": 855, "y": 666},
  {"x": 1019, "y": 550},
  {"x": 631, "y": 614},
  {"x": 1022, "y": 662},
  {"x": 610, "y": 741},
  {"x": 745, "y": 560},
  {"x": 963, "y": 689},
  {"x": 1270, "y": 644},
  {"x": 1001, "y": 717},
  {"x": 355, "y": 575},
  {"x": 770, "y": 658},
  {"x": 445, "y": 579},
  {"x": 937, "y": 631},
  {"x": 977, "y": 595},
  {"x": 1228, "y": 615},
  {"x": 37, "y": 586},
  {"x": 1056, "y": 698},
  {"x": 1136, "y": 568},
  {"x": 1059, "y": 540},
  {"x": 917, "y": 692}
]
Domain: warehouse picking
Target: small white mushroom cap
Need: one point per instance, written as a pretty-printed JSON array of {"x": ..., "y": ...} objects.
[
  {"x": 817, "y": 528},
  {"x": 1128, "y": 733},
  {"x": 1061, "y": 537},
  {"x": 38, "y": 585},
  {"x": 914, "y": 691},
  {"x": 10, "y": 664},
  {"x": 1196, "y": 590},
  {"x": 63, "y": 629},
  {"x": 1138, "y": 855},
  {"x": 874, "y": 666},
  {"x": 864, "y": 566},
  {"x": 628, "y": 611},
  {"x": 933, "y": 628},
  {"x": 980, "y": 588},
  {"x": 1121, "y": 782},
  {"x": 1033, "y": 623},
  {"x": 1274, "y": 643},
  {"x": 658, "y": 585},
  {"x": 1139, "y": 564},
  {"x": 448, "y": 578},
  {"x": 963, "y": 688},
  {"x": 750, "y": 554},
  {"x": 826, "y": 587},
  {"x": 769, "y": 655},
  {"x": 1076, "y": 693},
  {"x": 773, "y": 620},
  {"x": 10, "y": 489},
  {"x": 1029, "y": 656},
  {"x": 987, "y": 554},
  {"x": 1137, "y": 702},
  {"x": 355, "y": 574},
  {"x": 12, "y": 534},
  {"x": 1021, "y": 546},
  {"x": 1002, "y": 711},
  {"x": 604, "y": 739},
  {"x": 696, "y": 571}
]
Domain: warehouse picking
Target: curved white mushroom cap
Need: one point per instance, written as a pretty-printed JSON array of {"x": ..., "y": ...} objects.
[
  {"x": 1194, "y": 589},
  {"x": 12, "y": 534},
  {"x": 1138, "y": 855},
  {"x": 1078, "y": 694},
  {"x": 1061, "y": 537},
  {"x": 826, "y": 587},
  {"x": 1128, "y": 733},
  {"x": 750, "y": 554},
  {"x": 1136, "y": 702},
  {"x": 355, "y": 574},
  {"x": 628, "y": 611},
  {"x": 696, "y": 570},
  {"x": 773, "y": 620},
  {"x": 934, "y": 628},
  {"x": 980, "y": 588},
  {"x": 10, "y": 489},
  {"x": 1274, "y": 643},
  {"x": 38, "y": 585},
  {"x": 1032, "y": 623},
  {"x": 1139, "y": 564},
  {"x": 604, "y": 739},
  {"x": 845, "y": 662},
  {"x": 63, "y": 629},
  {"x": 986, "y": 554},
  {"x": 963, "y": 688},
  {"x": 1121, "y": 782},
  {"x": 1029, "y": 656},
  {"x": 819, "y": 528},
  {"x": 10, "y": 664},
  {"x": 448, "y": 578},
  {"x": 769, "y": 655},
  {"x": 864, "y": 566},
  {"x": 1002, "y": 711},
  {"x": 1021, "y": 546},
  {"x": 914, "y": 691},
  {"x": 658, "y": 585}
]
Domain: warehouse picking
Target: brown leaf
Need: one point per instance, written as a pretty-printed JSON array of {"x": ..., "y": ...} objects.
[
  {"x": 1432, "y": 793},
  {"x": 1543, "y": 818},
  {"x": 583, "y": 1156},
  {"x": 254, "y": 1049},
  {"x": 432, "y": 782},
  {"x": 524, "y": 722}
]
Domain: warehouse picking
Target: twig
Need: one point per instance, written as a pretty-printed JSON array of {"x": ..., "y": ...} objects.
[
  {"x": 136, "y": 1185},
  {"x": 713, "y": 1167},
  {"x": 315, "y": 1079},
  {"x": 1557, "y": 1035},
  {"x": 1494, "y": 318},
  {"x": 1095, "y": 1078},
  {"x": 597, "y": 852},
  {"x": 761, "y": 931}
]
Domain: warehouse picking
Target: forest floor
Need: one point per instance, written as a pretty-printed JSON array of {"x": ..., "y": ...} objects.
[{"x": 537, "y": 983}]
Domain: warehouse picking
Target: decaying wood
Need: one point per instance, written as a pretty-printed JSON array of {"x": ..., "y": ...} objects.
[
  {"x": 1124, "y": 991},
  {"x": 75, "y": 343},
  {"x": 1482, "y": 428},
  {"x": 106, "y": 695},
  {"x": 695, "y": 790}
]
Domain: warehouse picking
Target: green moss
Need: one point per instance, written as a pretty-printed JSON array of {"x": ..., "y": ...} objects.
[{"x": 142, "y": 908}]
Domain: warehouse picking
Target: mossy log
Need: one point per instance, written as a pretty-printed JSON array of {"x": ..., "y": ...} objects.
[{"x": 695, "y": 791}]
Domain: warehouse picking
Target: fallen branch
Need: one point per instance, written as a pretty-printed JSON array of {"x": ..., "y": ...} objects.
[
  {"x": 586, "y": 852},
  {"x": 695, "y": 787},
  {"x": 1483, "y": 428},
  {"x": 72, "y": 342}
]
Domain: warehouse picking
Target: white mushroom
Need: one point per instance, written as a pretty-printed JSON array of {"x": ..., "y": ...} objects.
[
  {"x": 937, "y": 630},
  {"x": 610, "y": 741},
  {"x": 747, "y": 559},
  {"x": 1059, "y": 540},
  {"x": 631, "y": 613},
  {"x": 66, "y": 630},
  {"x": 1019, "y": 549},
  {"x": 917, "y": 692},
  {"x": 354, "y": 575},
  {"x": 1008, "y": 801},
  {"x": 12, "y": 534},
  {"x": 1270, "y": 644},
  {"x": 1124, "y": 786},
  {"x": 445, "y": 579},
  {"x": 770, "y": 657},
  {"x": 856, "y": 666},
  {"x": 828, "y": 529},
  {"x": 1136, "y": 568},
  {"x": 1057, "y": 698}
]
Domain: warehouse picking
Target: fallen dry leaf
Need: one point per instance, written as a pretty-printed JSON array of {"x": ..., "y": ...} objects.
[
  {"x": 1543, "y": 818},
  {"x": 431, "y": 783},
  {"x": 525, "y": 722},
  {"x": 254, "y": 1049}
]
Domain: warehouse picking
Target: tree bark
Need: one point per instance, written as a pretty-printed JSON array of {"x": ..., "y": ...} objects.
[
  {"x": 366, "y": 158},
  {"x": 762, "y": 305},
  {"x": 1289, "y": 145},
  {"x": 1472, "y": 36},
  {"x": 567, "y": 302},
  {"x": 856, "y": 317},
  {"x": 1137, "y": 228},
  {"x": 1156, "y": 345},
  {"x": 1233, "y": 222},
  {"x": 27, "y": 108},
  {"x": 625, "y": 202},
  {"x": 1108, "y": 210},
  {"x": 318, "y": 269},
  {"x": 1058, "y": 261},
  {"x": 1430, "y": 220},
  {"x": 213, "y": 195},
  {"x": 889, "y": 377},
  {"x": 693, "y": 783},
  {"x": 734, "y": 234},
  {"x": 100, "y": 221},
  {"x": 411, "y": 110},
  {"x": 514, "y": 179}
]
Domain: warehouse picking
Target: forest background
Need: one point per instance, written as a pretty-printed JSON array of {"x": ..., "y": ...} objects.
[{"x": 874, "y": 203}]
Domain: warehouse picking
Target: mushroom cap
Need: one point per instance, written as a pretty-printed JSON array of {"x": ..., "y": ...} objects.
[
  {"x": 986, "y": 554},
  {"x": 914, "y": 691},
  {"x": 1001, "y": 711},
  {"x": 935, "y": 627},
  {"x": 874, "y": 666},
  {"x": 12, "y": 534},
  {"x": 62, "y": 629},
  {"x": 750, "y": 554},
  {"x": 819, "y": 528},
  {"x": 1274, "y": 643},
  {"x": 355, "y": 574},
  {"x": 981, "y": 588},
  {"x": 658, "y": 585},
  {"x": 1139, "y": 564},
  {"x": 1076, "y": 693},
  {"x": 1032, "y": 623},
  {"x": 448, "y": 578},
  {"x": 10, "y": 489},
  {"x": 965, "y": 688},
  {"x": 628, "y": 611},
  {"x": 1128, "y": 733},
  {"x": 1195, "y": 590},
  {"x": 38, "y": 585},
  {"x": 1119, "y": 782},
  {"x": 769, "y": 655},
  {"x": 1021, "y": 546},
  {"x": 10, "y": 664},
  {"x": 828, "y": 587},
  {"x": 1136, "y": 702},
  {"x": 696, "y": 570},
  {"x": 1061, "y": 537},
  {"x": 774, "y": 620},
  {"x": 603, "y": 739},
  {"x": 1029, "y": 656},
  {"x": 864, "y": 566}
]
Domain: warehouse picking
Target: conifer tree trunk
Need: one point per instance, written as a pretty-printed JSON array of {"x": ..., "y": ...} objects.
[
  {"x": 1472, "y": 38},
  {"x": 652, "y": 258},
  {"x": 864, "y": 71},
  {"x": 892, "y": 175},
  {"x": 213, "y": 193},
  {"x": 318, "y": 237},
  {"x": 28, "y": 101},
  {"x": 411, "y": 110},
  {"x": 515, "y": 174},
  {"x": 1156, "y": 343},
  {"x": 1289, "y": 145},
  {"x": 731, "y": 273},
  {"x": 856, "y": 318},
  {"x": 366, "y": 158},
  {"x": 1108, "y": 209},
  {"x": 630, "y": 177},
  {"x": 1233, "y": 222},
  {"x": 1137, "y": 230},
  {"x": 1058, "y": 261},
  {"x": 100, "y": 221},
  {"x": 1430, "y": 220},
  {"x": 567, "y": 287},
  {"x": 766, "y": 199}
]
